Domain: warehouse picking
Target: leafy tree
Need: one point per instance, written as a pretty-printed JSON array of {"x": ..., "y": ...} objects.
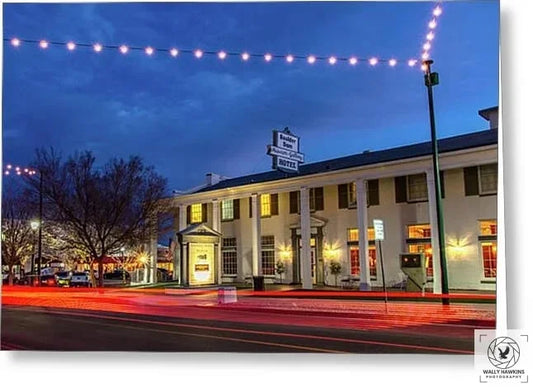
[
  {"x": 18, "y": 238},
  {"x": 102, "y": 209}
]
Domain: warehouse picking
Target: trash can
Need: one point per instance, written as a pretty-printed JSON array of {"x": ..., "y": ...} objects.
[{"x": 259, "y": 283}]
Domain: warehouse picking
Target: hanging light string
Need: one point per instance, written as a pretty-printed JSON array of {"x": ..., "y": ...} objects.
[
  {"x": 432, "y": 25},
  {"x": 245, "y": 56},
  {"x": 221, "y": 55},
  {"x": 16, "y": 170}
]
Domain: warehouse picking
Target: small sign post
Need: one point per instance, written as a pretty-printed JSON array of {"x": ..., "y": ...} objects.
[{"x": 379, "y": 232}]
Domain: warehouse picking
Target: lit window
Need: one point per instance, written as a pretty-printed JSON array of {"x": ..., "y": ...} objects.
[
  {"x": 355, "y": 264},
  {"x": 229, "y": 256},
  {"x": 265, "y": 205},
  {"x": 417, "y": 189},
  {"x": 419, "y": 231},
  {"x": 489, "y": 251},
  {"x": 268, "y": 258},
  {"x": 196, "y": 213},
  {"x": 488, "y": 228},
  {"x": 428, "y": 254},
  {"x": 353, "y": 234},
  {"x": 488, "y": 179},
  {"x": 227, "y": 210}
]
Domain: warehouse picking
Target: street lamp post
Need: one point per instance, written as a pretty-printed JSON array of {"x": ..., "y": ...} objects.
[
  {"x": 431, "y": 79},
  {"x": 34, "y": 225}
]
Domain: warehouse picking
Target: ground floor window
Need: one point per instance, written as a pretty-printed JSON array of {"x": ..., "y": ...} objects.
[
  {"x": 424, "y": 248},
  {"x": 229, "y": 256},
  {"x": 268, "y": 259},
  {"x": 489, "y": 252},
  {"x": 356, "y": 265}
]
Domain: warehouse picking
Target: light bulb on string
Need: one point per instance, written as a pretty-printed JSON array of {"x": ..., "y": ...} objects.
[
  {"x": 412, "y": 62},
  {"x": 198, "y": 53},
  {"x": 393, "y": 62},
  {"x": 15, "y": 42},
  {"x": 43, "y": 44},
  {"x": 426, "y": 46},
  {"x": 71, "y": 46},
  {"x": 432, "y": 24},
  {"x": 222, "y": 55},
  {"x": 245, "y": 56},
  {"x": 353, "y": 61},
  {"x": 430, "y": 36},
  {"x": 268, "y": 57},
  {"x": 123, "y": 49},
  {"x": 97, "y": 47},
  {"x": 373, "y": 61},
  {"x": 332, "y": 60},
  {"x": 425, "y": 56},
  {"x": 149, "y": 50},
  {"x": 437, "y": 11},
  {"x": 311, "y": 59},
  {"x": 290, "y": 58},
  {"x": 174, "y": 52}
]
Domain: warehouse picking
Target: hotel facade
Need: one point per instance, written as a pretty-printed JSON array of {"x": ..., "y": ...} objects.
[{"x": 232, "y": 229}]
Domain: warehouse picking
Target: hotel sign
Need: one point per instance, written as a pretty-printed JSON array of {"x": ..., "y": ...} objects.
[
  {"x": 201, "y": 263},
  {"x": 285, "y": 151}
]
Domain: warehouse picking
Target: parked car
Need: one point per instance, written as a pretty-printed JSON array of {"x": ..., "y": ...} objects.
[
  {"x": 63, "y": 278},
  {"x": 117, "y": 278},
  {"x": 48, "y": 280},
  {"x": 80, "y": 279}
]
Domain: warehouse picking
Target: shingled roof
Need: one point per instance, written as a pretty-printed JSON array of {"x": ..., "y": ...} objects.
[{"x": 461, "y": 142}]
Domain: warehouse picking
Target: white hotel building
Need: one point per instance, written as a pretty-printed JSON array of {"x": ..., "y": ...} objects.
[{"x": 232, "y": 229}]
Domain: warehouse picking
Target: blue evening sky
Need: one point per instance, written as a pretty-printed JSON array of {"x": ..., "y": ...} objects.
[{"x": 189, "y": 116}]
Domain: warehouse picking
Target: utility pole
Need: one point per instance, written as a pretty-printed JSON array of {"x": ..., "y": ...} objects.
[{"x": 431, "y": 79}]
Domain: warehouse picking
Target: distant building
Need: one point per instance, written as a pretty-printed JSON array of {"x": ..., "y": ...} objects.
[{"x": 232, "y": 229}]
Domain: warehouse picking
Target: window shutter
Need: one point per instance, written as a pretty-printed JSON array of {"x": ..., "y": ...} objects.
[
  {"x": 441, "y": 175},
  {"x": 274, "y": 208},
  {"x": 188, "y": 214},
  {"x": 373, "y": 192},
  {"x": 236, "y": 209},
  {"x": 343, "y": 196},
  {"x": 400, "y": 184},
  {"x": 250, "y": 207},
  {"x": 471, "y": 181},
  {"x": 204, "y": 212},
  {"x": 319, "y": 198},
  {"x": 293, "y": 202}
]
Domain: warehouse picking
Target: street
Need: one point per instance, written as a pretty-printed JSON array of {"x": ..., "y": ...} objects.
[{"x": 143, "y": 321}]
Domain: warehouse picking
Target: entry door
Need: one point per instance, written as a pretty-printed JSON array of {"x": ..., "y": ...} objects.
[{"x": 313, "y": 257}]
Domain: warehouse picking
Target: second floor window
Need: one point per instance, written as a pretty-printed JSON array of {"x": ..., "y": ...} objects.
[
  {"x": 481, "y": 180},
  {"x": 417, "y": 188},
  {"x": 227, "y": 210},
  {"x": 196, "y": 213},
  {"x": 316, "y": 200},
  {"x": 268, "y": 203},
  {"x": 347, "y": 194}
]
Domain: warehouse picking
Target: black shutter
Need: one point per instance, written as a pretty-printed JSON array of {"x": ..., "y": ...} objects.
[
  {"x": 293, "y": 202},
  {"x": 471, "y": 181},
  {"x": 441, "y": 175},
  {"x": 250, "y": 206},
  {"x": 236, "y": 209},
  {"x": 373, "y": 192},
  {"x": 319, "y": 198},
  {"x": 188, "y": 214},
  {"x": 204, "y": 212},
  {"x": 274, "y": 208},
  {"x": 343, "y": 196},
  {"x": 400, "y": 184}
]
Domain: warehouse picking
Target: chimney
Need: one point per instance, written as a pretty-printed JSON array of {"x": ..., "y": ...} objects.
[
  {"x": 491, "y": 115},
  {"x": 212, "y": 178}
]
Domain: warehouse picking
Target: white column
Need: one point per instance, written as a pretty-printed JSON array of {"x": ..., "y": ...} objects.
[
  {"x": 153, "y": 252},
  {"x": 218, "y": 227},
  {"x": 362, "y": 225},
  {"x": 437, "y": 286},
  {"x": 182, "y": 224},
  {"x": 176, "y": 252},
  {"x": 256, "y": 235},
  {"x": 305, "y": 225}
]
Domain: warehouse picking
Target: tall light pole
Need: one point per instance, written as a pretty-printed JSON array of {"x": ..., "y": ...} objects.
[
  {"x": 34, "y": 226},
  {"x": 431, "y": 79}
]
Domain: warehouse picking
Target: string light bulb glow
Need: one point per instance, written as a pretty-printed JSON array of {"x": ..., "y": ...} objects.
[
  {"x": 393, "y": 62},
  {"x": 332, "y": 60},
  {"x": 430, "y": 36},
  {"x": 353, "y": 61},
  {"x": 311, "y": 59},
  {"x": 411, "y": 62},
  {"x": 43, "y": 44},
  {"x": 432, "y": 24},
  {"x": 268, "y": 57},
  {"x": 149, "y": 50},
  {"x": 71, "y": 46},
  {"x": 97, "y": 47},
  {"x": 198, "y": 53},
  {"x": 290, "y": 58},
  {"x": 245, "y": 56},
  {"x": 373, "y": 61},
  {"x": 222, "y": 55},
  {"x": 123, "y": 49},
  {"x": 437, "y": 11},
  {"x": 425, "y": 55},
  {"x": 174, "y": 52},
  {"x": 15, "y": 42},
  {"x": 426, "y": 46}
]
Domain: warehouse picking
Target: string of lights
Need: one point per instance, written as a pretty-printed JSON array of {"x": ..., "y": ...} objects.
[
  {"x": 432, "y": 25},
  {"x": 244, "y": 56},
  {"x": 16, "y": 170}
]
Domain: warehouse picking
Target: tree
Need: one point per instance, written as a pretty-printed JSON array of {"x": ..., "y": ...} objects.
[
  {"x": 18, "y": 238},
  {"x": 102, "y": 209}
]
